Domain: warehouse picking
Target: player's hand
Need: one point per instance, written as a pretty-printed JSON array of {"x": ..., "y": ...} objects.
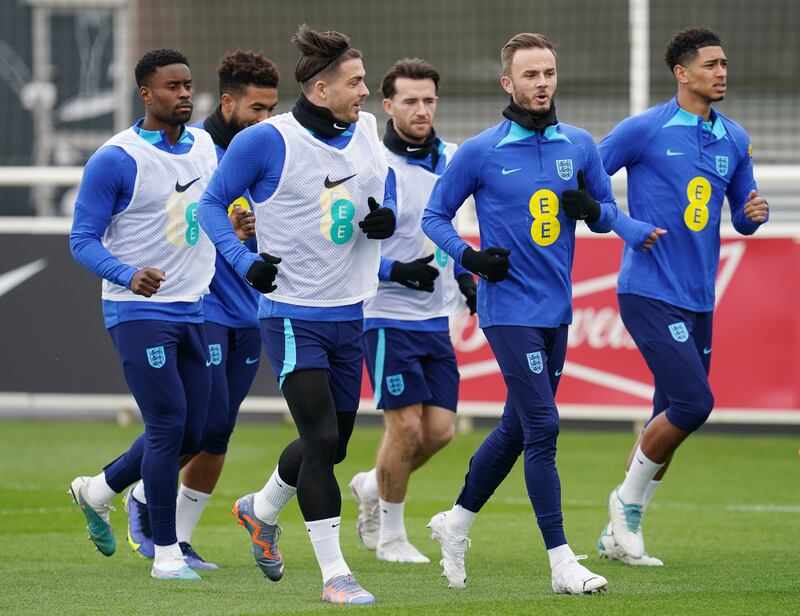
[
  {"x": 653, "y": 238},
  {"x": 379, "y": 224},
  {"x": 490, "y": 264},
  {"x": 261, "y": 274},
  {"x": 468, "y": 288},
  {"x": 579, "y": 204},
  {"x": 756, "y": 208},
  {"x": 416, "y": 274},
  {"x": 244, "y": 223},
  {"x": 147, "y": 281}
]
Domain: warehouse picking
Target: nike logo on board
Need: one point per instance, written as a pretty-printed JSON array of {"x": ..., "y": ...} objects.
[
  {"x": 182, "y": 187},
  {"x": 334, "y": 183}
]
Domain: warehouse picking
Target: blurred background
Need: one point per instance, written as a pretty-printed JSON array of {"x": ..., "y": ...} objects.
[{"x": 66, "y": 68}]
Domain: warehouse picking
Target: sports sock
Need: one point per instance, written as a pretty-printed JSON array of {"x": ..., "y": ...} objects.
[
  {"x": 392, "y": 526},
  {"x": 99, "y": 493},
  {"x": 188, "y": 511},
  {"x": 459, "y": 520},
  {"x": 169, "y": 557},
  {"x": 640, "y": 473},
  {"x": 272, "y": 498},
  {"x": 649, "y": 491},
  {"x": 324, "y": 535},
  {"x": 557, "y": 554},
  {"x": 369, "y": 484},
  {"x": 138, "y": 493}
]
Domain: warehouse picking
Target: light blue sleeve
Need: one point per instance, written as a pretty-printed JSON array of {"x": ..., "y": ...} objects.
[
  {"x": 106, "y": 189},
  {"x": 253, "y": 162},
  {"x": 459, "y": 180}
]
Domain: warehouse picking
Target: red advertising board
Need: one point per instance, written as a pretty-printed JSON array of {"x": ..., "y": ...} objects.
[{"x": 756, "y": 344}]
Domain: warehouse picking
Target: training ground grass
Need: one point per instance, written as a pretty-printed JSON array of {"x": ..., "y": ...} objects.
[{"x": 726, "y": 523}]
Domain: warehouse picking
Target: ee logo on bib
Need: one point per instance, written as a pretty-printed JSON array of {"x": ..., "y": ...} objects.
[{"x": 338, "y": 212}]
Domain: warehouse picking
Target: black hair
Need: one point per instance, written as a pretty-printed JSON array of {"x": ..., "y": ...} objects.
[
  {"x": 155, "y": 58},
  {"x": 683, "y": 46},
  {"x": 239, "y": 69}
]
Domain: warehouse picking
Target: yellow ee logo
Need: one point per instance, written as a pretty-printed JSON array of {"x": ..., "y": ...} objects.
[
  {"x": 240, "y": 202},
  {"x": 544, "y": 208},
  {"x": 339, "y": 211},
  {"x": 698, "y": 191}
]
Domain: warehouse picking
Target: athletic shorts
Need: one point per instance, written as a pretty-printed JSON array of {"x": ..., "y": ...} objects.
[
  {"x": 408, "y": 367},
  {"x": 294, "y": 345}
]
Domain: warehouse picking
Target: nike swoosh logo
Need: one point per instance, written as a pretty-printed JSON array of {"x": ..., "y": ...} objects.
[
  {"x": 208, "y": 363},
  {"x": 16, "y": 277},
  {"x": 559, "y": 372},
  {"x": 671, "y": 153},
  {"x": 507, "y": 171},
  {"x": 337, "y": 127},
  {"x": 639, "y": 461},
  {"x": 182, "y": 187},
  {"x": 410, "y": 149},
  {"x": 190, "y": 498},
  {"x": 706, "y": 351},
  {"x": 250, "y": 361},
  {"x": 335, "y": 525},
  {"x": 334, "y": 183}
]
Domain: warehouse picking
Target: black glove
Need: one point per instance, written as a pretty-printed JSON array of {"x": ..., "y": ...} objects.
[
  {"x": 468, "y": 288},
  {"x": 416, "y": 274},
  {"x": 490, "y": 264},
  {"x": 578, "y": 204},
  {"x": 379, "y": 223},
  {"x": 261, "y": 274}
]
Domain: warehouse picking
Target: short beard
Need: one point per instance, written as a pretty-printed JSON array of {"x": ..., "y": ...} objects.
[
  {"x": 525, "y": 102},
  {"x": 234, "y": 123}
]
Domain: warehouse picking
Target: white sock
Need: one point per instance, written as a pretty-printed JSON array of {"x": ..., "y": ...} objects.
[
  {"x": 273, "y": 497},
  {"x": 459, "y": 520},
  {"x": 190, "y": 506},
  {"x": 369, "y": 484},
  {"x": 557, "y": 554},
  {"x": 392, "y": 526},
  {"x": 169, "y": 557},
  {"x": 640, "y": 473},
  {"x": 324, "y": 535},
  {"x": 99, "y": 493},
  {"x": 649, "y": 491},
  {"x": 138, "y": 493}
]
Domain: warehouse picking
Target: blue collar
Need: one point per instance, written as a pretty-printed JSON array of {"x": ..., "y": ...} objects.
[
  {"x": 517, "y": 133},
  {"x": 715, "y": 125},
  {"x": 159, "y": 138}
]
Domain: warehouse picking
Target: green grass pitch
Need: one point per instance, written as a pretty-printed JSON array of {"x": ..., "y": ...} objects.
[{"x": 726, "y": 523}]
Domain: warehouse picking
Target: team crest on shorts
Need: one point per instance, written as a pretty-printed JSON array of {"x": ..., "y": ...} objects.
[
  {"x": 564, "y": 168},
  {"x": 535, "y": 362},
  {"x": 679, "y": 331},
  {"x": 722, "y": 165},
  {"x": 156, "y": 356},
  {"x": 395, "y": 384},
  {"x": 215, "y": 354}
]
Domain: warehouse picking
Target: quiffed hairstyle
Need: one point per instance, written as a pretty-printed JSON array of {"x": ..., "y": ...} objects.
[
  {"x": 150, "y": 61},
  {"x": 322, "y": 52},
  {"x": 524, "y": 40},
  {"x": 411, "y": 68},
  {"x": 239, "y": 69},
  {"x": 682, "y": 47}
]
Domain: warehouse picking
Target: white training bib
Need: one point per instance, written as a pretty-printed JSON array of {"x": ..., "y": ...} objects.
[
  {"x": 311, "y": 220},
  {"x": 159, "y": 228},
  {"x": 393, "y": 300}
]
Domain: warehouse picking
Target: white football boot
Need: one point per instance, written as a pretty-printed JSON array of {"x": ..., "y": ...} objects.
[{"x": 454, "y": 548}]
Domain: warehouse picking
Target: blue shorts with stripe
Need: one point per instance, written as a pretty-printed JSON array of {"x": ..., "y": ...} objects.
[
  {"x": 234, "y": 353},
  {"x": 676, "y": 344},
  {"x": 408, "y": 367},
  {"x": 294, "y": 345}
]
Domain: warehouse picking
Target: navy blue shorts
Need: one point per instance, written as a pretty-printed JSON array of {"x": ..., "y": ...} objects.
[
  {"x": 234, "y": 353},
  {"x": 294, "y": 345},
  {"x": 676, "y": 344},
  {"x": 408, "y": 367}
]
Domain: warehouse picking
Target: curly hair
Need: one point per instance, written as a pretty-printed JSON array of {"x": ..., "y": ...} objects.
[
  {"x": 683, "y": 46},
  {"x": 239, "y": 69},
  {"x": 153, "y": 59}
]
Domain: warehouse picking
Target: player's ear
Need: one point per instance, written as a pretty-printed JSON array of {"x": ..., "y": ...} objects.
[
  {"x": 145, "y": 94},
  {"x": 227, "y": 102},
  {"x": 387, "y": 107},
  {"x": 680, "y": 73},
  {"x": 505, "y": 82}
]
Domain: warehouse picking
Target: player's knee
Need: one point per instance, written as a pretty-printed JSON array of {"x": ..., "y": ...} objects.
[
  {"x": 405, "y": 428},
  {"x": 693, "y": 413},
  {"x": 435, "y": 440},
  {"x": 550, "y": 428},
  {"x": 322, "y": 447}
]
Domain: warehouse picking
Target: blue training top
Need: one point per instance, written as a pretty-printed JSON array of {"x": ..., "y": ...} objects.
[
  {"x": 106, "y": 189},
  {"x": 679, "y": 170},
  {"x": 517, "y": 177},
  {"x": 253, "y": 164}
]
